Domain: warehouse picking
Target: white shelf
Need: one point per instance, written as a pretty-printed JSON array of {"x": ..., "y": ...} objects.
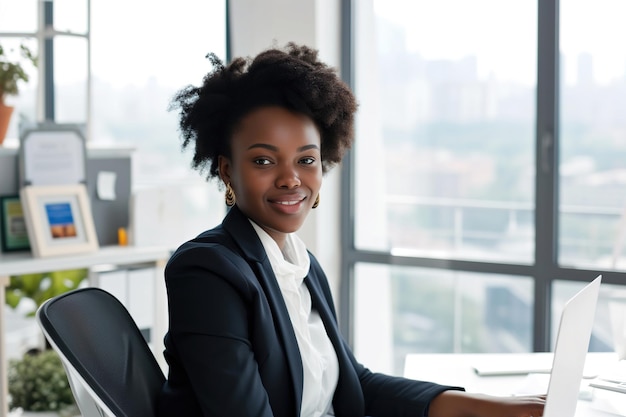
[{"x": 24, "y": 263}]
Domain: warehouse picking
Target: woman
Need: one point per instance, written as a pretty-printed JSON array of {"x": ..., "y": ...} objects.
[{"x": 252, "y": 328}]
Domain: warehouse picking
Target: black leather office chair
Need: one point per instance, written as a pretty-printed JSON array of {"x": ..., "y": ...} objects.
[{"x": 111, "y": 368}]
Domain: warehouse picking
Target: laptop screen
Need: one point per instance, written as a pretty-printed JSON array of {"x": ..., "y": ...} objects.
[{"x": 572, "y": 344}]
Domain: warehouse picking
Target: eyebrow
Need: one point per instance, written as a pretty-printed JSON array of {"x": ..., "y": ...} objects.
[{"x": 275, "y": 148}]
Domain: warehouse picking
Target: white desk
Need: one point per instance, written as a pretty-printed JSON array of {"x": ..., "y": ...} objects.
[
  {"x": 119, "y": 256},
  {"x": 458, "y": 370}
]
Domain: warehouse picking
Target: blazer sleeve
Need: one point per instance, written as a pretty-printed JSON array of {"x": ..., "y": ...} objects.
[
  {"x": 208, "y": 297},
  {"x": 388, "y": 396}
]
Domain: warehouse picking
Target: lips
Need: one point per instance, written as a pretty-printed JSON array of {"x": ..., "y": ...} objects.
[
  {"x": 288, "y": 204},
  {"x": 288, "y": 199}
]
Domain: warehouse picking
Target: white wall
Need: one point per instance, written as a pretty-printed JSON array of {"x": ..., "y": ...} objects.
[{"x": 257, "y": 25}]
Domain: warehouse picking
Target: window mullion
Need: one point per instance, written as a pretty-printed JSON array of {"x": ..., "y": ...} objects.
[
  {"x": 546, "y": 165},
  {"x": 346, "y": 292},
  {"x": 48, "y": 67}
]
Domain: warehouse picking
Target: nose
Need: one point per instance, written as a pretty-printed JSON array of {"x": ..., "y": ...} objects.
[{"x": 288, "y": 178}]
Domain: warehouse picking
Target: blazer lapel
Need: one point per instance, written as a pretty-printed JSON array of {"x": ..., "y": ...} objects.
[
  {"x": 282, "y": 322},
  {"x": 243, "y": 234}
]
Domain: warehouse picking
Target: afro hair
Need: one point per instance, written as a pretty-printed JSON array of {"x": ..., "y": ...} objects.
[{"x": 293, "y": 78}]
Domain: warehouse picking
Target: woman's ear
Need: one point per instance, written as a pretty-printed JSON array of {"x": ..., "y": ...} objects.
[{"x": 224, "y": 168}]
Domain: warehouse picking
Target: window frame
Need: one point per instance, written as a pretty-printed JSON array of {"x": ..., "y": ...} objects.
[
  {"x": 45, "y": 35},
  {"x": 545, "y": 269}
]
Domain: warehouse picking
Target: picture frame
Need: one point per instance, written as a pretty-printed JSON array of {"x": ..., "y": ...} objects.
[
  {"x": 58, "y": 219},
  {"x": 52, "y": 154},
  {"x": 13, "y": 232}
]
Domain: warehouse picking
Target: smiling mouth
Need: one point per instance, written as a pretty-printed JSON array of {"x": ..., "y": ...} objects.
[{"x": 289, "y": 203}]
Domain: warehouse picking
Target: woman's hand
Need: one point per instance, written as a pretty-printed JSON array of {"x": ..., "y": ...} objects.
[{"x": 463, "y": 404}]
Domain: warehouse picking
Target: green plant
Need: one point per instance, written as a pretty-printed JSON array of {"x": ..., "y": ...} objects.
[
  {"x": 12, "y": 71},
  {"x": 40, "y": 287},
  {"x": 37, "y": 382}
]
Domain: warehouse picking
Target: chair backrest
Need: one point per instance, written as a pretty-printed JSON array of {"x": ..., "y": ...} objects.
[{"x": 111, "y": 368}]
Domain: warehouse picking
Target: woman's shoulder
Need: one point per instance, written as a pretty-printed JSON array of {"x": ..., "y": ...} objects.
[
  {"x": 209, "y": 258},
  {"x": 213, "y": 244}
]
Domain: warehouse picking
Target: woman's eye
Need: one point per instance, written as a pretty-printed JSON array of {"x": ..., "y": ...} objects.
[
  {"x": 262, "y": 161},
  {"x": 308, "y": 160}
]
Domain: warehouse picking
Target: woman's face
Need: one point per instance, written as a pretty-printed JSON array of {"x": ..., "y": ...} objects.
[{"x": 275, "y": 169}]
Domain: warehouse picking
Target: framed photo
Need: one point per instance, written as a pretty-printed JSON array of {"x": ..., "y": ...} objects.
[
  {"x": 52, "y": 154},
  {"x": 58, "y": 219},
  {"x": 13, "y": 233}
]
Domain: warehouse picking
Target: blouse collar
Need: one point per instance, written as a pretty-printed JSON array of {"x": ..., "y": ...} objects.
[{"x": 292, "y": 261}]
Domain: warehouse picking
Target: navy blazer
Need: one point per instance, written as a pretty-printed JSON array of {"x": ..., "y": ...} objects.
[{"x": 231, "y": 348}]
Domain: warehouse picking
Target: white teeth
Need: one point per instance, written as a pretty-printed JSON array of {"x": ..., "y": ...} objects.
[{"x": 288, "y": 203}]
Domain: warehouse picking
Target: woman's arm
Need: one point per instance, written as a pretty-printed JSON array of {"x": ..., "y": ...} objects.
[
  {"x": 463, "y": 404},
  {"x": 209, "y": 335}
]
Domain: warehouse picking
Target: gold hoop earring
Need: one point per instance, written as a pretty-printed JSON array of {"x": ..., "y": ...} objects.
[
  {"x": 317, "y": 202},
  {"x": 230, "y": 196}
]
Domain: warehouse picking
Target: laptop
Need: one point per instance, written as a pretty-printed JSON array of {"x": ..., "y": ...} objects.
[{"x": 571, "y": 347}]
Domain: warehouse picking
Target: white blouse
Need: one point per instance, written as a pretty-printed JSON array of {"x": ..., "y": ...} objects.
[{"x": 319, "y": 360}]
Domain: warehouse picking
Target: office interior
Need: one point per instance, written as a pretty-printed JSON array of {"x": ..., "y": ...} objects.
[{"x": 485, "y": 187}]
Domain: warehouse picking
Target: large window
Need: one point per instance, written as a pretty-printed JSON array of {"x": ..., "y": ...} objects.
[
  {"x": 140, "y": 58},
  {"x": 593, "y": 135},
  {"x": 450, "y": 147},
  {"x": 113, "y": 66},
  {"x": 471, "y": 225}
]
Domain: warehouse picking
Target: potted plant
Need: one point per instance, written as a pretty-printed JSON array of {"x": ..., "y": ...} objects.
[
  {"x": 37, "y": 288},
  {"x": 39, "y": 386},
  {"x": 12, "y": 73}
]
